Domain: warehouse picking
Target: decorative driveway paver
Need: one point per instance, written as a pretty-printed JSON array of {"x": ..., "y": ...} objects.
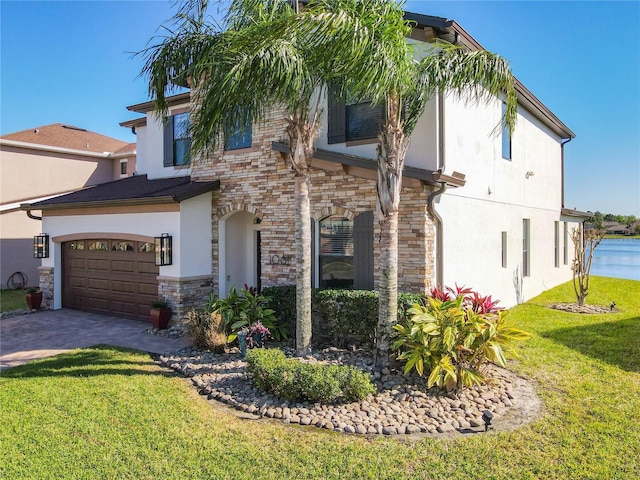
[{"x": 47, "y": 333}]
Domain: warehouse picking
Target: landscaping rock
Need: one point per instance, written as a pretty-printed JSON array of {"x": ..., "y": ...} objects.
[{"x": 403, "y": 404}]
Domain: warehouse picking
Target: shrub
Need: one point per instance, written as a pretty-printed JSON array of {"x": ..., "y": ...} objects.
[
  {"x": 205, "y": 330},
  {"x": 349, "y": 315},
  {"x": 282, "y": 300},
  {"x": 453, "y": 339},
  {"x": 240, "y": 310},
  {"x": 352, "y": 315},
  {"x": 297, "y": 381},
  {"x": 340, "y": 316}
]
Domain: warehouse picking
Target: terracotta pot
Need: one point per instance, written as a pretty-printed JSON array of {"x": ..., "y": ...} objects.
[
  {"x": 34, "y": 300},
  {"x": 160, "y": 317}
]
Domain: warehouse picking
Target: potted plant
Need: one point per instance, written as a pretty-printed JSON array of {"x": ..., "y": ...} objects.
[
  {"x": 34, "y": 298},
  {"x": 160, "y": 314}
]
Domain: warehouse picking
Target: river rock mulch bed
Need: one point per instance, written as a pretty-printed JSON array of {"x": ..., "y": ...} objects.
[
  {"x": 174, "y": 331},
  {"x": 403, "y": 406}
]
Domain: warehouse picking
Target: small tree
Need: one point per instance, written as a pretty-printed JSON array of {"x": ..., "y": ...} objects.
[{"x": 583, "y": 248}]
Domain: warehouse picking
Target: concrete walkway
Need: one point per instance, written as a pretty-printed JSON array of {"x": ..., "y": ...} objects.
[{"x": 44, "y": 334}]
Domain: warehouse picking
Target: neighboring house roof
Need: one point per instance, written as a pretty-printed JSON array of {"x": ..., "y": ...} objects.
[
  {"x": 129, "y": 149},
  {"x": 67, "y": 136},
  {"x": 129, "y": 191}
]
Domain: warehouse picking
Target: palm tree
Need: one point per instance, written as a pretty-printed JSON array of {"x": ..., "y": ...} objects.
[
  {"x": 386, "y": 70},
  {"x": 267, "y": 56},
  {"x": 474, "y": 75}
]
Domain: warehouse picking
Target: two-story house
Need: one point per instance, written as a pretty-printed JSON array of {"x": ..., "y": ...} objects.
[
  {"x": 477, "y": 208},
  {"x": 43, "y": 162}
]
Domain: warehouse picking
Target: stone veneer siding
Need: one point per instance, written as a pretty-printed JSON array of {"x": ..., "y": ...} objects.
[
  {"x": 259, "y": 181},
  {"x": 183, "y": 294},
  {"x": 46, "y": 286}
]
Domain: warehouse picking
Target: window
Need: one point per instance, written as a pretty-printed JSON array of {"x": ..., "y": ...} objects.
[
  {"x": 177, "y": 142},
  {"x": 345, "y": 258},
  {"x": 237, "y": 135},
  {"x": 147, "y": 247},
  {"x": 101, "y": 246},
  {"x": 123, "y": 168},
  {"x": 122, "y": 247},
  {"x": 336, "y": 253},
  {"x": 556, "y": 232},
  {"x": 566, "y": 243},
  {"x": 353, "y": 121},
  {"x": 506, "y": 137},
  {"x": 526, "y": 246},
  {"x": 504, "y": 249}
]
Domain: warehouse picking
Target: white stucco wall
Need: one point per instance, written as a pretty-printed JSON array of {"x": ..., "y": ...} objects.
[
  {"x": 150, "y": 148},
  {"x": 496, "y": 198},
  {"x": 194, "y": 247}
]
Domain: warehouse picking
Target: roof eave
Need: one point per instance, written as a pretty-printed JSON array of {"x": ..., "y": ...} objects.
[
  {"x": 102, "y": 203},
  {"x": 567, "y": 212},
  {"x": 429, "y": 177},
  {"x": 148, "y": 106}
]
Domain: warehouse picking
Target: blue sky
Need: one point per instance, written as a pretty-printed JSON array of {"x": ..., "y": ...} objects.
[{"x": 71, "y": 62}]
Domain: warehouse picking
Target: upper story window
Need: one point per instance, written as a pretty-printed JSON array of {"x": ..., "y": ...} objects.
[
  {"x": 237, "y": 135},
  {"x": 350, "y": 121},
  {"x": 177, "y": 142},
  {"x": 506, "y": 137},
  {"x": 123, "y": 168}
]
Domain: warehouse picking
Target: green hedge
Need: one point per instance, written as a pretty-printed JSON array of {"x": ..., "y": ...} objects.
[
  {"x": 340, "y": 316},
  {"x": 296, "y": 381}
]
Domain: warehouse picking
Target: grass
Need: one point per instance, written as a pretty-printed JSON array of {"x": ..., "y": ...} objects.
[
  {"x": 12, "y": 300},
  {"x": 112, "y": 413}
]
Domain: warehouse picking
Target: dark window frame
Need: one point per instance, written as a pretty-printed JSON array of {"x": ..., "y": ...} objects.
[
  {"x": 556, "y": 235},
  {"x": 177, "y": 140},
  {"x": 504, "y": 249},
  {"x": 353, "y": 121},
  {"x": 241, "y": 137},
  {"x": 526, "y": 247},
  {"x": 506, "y": 137}
]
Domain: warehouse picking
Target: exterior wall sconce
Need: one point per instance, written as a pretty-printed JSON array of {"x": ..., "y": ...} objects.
[
  {"x": 163, "y": 249},
  {"x": 529, "y": 174},
  {"x": 41, "y": 246}
]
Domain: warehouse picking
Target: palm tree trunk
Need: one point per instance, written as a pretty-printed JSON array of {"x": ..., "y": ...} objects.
[
  {"x": 303, "y": 266},
  {"x": 388, "y": 289},
  {"x": 392, "y": 148},
  {"x": 301, "y": 136}
]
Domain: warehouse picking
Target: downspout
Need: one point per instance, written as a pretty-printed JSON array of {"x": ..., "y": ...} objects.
[
  {"x": 438, "y": 222},
  {"x": 562, "y": 144},
  {"x": 430, "y": 205}
]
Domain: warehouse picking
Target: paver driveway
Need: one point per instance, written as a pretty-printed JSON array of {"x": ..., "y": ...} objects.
[{"x": 47, "y": 333}]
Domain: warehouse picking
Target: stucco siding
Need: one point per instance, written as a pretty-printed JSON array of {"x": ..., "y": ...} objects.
[{"x": 498, "y": 195}]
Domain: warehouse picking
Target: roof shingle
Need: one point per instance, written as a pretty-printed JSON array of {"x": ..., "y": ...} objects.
[
  {"x": 67, "y": 136},
  {"x": 130, "y": 190}
]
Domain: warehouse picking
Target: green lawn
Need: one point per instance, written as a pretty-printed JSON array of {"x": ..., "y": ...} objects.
[
  {"x": 12, "y": 300},
  {"x": 111, "y": 413}
]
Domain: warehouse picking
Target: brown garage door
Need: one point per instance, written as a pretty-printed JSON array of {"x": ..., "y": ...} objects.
[{"x": 115, "y": 277}]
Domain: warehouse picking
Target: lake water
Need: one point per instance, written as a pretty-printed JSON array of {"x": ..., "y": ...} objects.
[{"x": 618, "y": 258}]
